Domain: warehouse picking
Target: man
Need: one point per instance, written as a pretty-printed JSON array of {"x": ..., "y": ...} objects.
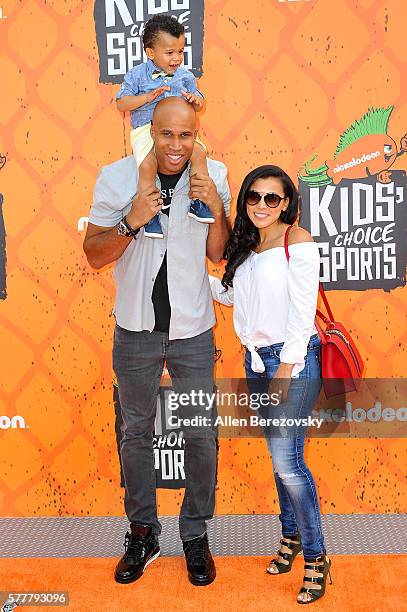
[{"x": 164, "y": 313}]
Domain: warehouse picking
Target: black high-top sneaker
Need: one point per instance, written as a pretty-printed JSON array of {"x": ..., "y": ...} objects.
[
  {"x": 200, "y": 565},
  {"x": 142, "y": 548}
]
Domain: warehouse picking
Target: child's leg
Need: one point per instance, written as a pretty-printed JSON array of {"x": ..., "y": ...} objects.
[
  {"x": 199, "y": 210},
  {"x": 147, "y": 171},
  {"x": 198, "y": 159},
  {"x": 147, "y": 175}
]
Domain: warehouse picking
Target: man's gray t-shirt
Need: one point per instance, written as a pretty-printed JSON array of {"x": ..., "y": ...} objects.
[{"x": 184, "y": 242}]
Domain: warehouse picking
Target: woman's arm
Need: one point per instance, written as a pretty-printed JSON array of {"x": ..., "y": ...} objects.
[
  {"x": 303, "y": 283},
  {"x": 219, "y": 293}
]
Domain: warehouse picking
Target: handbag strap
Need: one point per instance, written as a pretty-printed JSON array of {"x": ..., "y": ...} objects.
[
  {"x": 330, "y": 318},
  {"x": 326, "y": 303},
  {"x": 323, "y": 317},
  {"x": 321, "y": 334}
]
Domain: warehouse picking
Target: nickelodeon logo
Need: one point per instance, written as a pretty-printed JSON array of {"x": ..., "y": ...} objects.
[
  {"x": 16, "y": 422},
  {"x": 356, "y": 162}
]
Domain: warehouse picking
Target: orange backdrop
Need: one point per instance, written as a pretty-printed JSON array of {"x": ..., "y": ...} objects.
[{"x": 282, "y": 80}]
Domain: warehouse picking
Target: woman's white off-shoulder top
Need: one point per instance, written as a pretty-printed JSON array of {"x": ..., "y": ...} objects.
[{"x": 275, "y": 301}]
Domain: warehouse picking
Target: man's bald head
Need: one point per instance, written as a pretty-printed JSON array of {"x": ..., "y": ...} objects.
[
  {"x": 173, "y": 131},
  {"x": 173, "y": 107}
]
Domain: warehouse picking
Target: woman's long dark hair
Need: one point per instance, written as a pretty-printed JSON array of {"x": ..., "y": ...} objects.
[{"x": 245, "y": 236}]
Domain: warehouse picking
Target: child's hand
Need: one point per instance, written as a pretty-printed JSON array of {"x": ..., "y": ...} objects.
[
  {"x": 152, "y": 95},
  {"x": 196, "y": 101}
]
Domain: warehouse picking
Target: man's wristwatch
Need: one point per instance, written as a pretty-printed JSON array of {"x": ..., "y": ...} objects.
[{"x": 124, "y": 229}]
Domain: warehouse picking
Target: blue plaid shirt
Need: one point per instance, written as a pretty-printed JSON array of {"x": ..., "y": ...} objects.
[{"x": 138, "y": 81}]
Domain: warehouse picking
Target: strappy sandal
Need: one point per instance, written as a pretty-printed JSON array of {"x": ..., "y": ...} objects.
[
  {"x": 321, "y": 565},
  {"x": 295, "y": 546}
]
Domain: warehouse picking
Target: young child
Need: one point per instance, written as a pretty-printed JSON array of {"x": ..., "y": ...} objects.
[{"x": 144, "y": 85}]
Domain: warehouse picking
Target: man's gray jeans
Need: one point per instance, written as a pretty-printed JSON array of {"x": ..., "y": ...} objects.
[{"x": 138, "y": 361}]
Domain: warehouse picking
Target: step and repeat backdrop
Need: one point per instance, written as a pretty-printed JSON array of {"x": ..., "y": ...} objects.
[{"x": 314, "y": 86}]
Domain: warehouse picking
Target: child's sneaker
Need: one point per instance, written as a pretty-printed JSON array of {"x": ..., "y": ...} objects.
[
  {"x": 152, "y": 229},
  {"x": 200, "y": 212}
]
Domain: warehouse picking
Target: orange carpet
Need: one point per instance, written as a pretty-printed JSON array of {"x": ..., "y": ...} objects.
[{"x": 361, "y": 584}]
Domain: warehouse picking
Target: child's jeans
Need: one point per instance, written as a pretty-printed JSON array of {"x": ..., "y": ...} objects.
[{"x": 295, "y": 485}]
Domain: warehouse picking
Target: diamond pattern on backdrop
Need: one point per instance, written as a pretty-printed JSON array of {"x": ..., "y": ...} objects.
[{"x": 278, "y": 89}]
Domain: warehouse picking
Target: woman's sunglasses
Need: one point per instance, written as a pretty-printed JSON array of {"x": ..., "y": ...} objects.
[{"x": 272, "y": 200}]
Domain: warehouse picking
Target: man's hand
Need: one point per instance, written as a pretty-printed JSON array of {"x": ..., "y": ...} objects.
[
  {"x": 144, "y": 206},
  {"x": 196, "y": 101},
  {"x": 155, "y": 93},
  {"x": 203, "y": 188}
]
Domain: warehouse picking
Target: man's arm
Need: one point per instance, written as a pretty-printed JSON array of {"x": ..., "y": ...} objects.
[
  {"x": 103, "y": 245},
  {"x": 218, "y": 236},
  {"x": 203, "y": 188}
]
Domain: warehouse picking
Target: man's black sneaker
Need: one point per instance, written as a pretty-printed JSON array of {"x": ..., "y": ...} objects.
[
  {"x": 142, "y": 548},
  {"x": 200, "y": 565}
]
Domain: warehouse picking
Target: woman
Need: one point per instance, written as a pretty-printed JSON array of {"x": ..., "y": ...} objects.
[{"x": 274, "y": 311}]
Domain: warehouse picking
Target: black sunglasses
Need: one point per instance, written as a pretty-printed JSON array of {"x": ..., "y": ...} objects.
[{"x": 272, "y": 200}]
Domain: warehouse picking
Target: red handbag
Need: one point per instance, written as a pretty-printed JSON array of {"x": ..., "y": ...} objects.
[{"x": 342, "y": 365}]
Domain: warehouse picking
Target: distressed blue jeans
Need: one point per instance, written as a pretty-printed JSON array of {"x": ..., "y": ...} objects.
[{"x": 297, "y": 493}]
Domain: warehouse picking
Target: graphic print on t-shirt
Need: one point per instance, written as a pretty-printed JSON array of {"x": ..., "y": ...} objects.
[{"x": 166, "y": 195}]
